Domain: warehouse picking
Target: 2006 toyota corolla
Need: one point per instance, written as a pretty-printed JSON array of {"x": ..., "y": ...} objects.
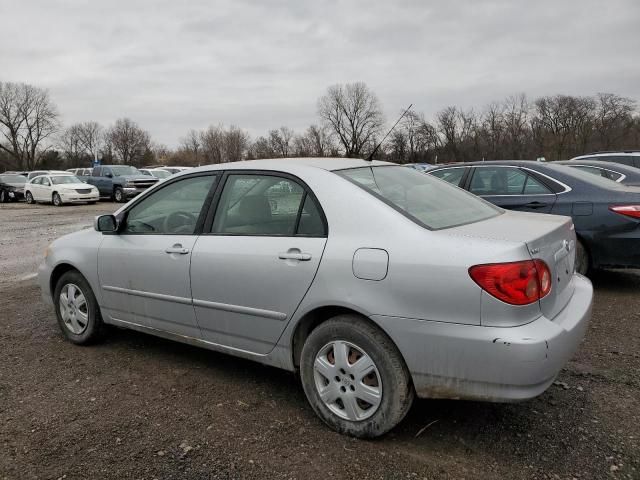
[{"x": 376, "y": 281}]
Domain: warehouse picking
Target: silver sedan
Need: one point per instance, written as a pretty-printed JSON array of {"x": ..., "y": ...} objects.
[{"x": 374, "y": 281}]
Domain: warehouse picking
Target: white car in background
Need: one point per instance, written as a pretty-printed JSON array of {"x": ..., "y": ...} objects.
[
  {"x": 37, "y": 173},
  {"x": 160, "y": 173},
  {"x": 60, "y": 189},
  {"x": 174, "y": 170}
]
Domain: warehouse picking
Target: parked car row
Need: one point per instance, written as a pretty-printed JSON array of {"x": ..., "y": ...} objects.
[{"x": 116, "y": 182}]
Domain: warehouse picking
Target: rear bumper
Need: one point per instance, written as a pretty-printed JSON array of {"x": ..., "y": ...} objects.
[
  {"x": 617, "y": 249},
  {"x": 499, "y": 364}
]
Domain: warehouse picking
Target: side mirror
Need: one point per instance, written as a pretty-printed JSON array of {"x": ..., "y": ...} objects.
[
  {"x": 108, "y": 175},
  {"x": 105, "y": 223}
]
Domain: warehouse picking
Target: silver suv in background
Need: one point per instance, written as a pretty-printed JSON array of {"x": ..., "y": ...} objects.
[{"x": 626, "y": 157}]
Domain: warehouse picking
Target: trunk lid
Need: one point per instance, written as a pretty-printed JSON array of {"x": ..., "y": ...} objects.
[{"x": 550, "y": 238}]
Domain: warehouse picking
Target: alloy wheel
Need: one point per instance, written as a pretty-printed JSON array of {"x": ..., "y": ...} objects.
[
  {"x": 73, "y": 308},
  {"x": 347, "y": 380}
]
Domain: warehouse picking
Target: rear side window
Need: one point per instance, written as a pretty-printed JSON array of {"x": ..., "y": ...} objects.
[
  {"x": 266, "y": 205},
  {"x": 451, "y": 175},
  {"x": 423, "y": 199},
  {"x": 505, "y": 181}
]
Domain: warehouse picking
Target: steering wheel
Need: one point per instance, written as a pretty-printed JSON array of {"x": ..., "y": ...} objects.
[{"x": 179, "y": 222}]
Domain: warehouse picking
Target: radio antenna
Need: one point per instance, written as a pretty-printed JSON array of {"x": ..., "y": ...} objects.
[{"x": 370, "y": 157}]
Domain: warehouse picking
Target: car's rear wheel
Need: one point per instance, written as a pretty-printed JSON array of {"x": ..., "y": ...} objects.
[
  {"x": 56, "y": 200},
  {"x": 77, "y": 309},
  {"x": 583, "y": 262},
  {"x": 29, "y": 198},
  {"x": 118, "y": 195},
  {"x": 355, "y": 378}
]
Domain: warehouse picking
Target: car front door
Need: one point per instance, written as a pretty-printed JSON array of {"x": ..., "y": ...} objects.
[
  {"x": 252, "y": 268},
  {"x": 512, "y": 188},
  {"x": 144, "y": 267},
  {"x": 44, "y": 190}
]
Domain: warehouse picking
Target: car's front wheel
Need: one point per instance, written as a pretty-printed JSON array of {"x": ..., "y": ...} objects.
[
  {"x": 29, "y": 198},
  {"x": 355, "y": 378},
  {"x": 56, "y": 200},
  {"x": 118, "y": 195},
  {"x": 77, "y": 309}
]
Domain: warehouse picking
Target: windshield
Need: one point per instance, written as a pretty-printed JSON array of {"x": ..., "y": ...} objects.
[
  {"x": 428, "y": 201},
  {"x": 160, "y": 173},
  {"x": 62, "y": 179},
  {"x": 13, "y": 178},
  {"x": 124, "y": 170}
]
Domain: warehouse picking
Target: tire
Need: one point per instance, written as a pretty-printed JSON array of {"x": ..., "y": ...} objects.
[
  {"x": 56, "y": 200},
  {"x": 119, "y": 196},
  {"x": 3, "y": 196},
  {"x": 388, "y": 384},
  {"x": 583, "y": 261},
  {"x": 29, "y": 198},
  {"x": 80, "y": 321}
]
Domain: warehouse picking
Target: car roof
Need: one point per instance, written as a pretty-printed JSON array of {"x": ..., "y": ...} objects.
[
  {"x": 608, "y": 153},
  {"x": 323, "y": 163}
]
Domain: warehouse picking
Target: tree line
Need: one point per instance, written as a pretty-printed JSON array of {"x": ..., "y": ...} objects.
[{"x": 351, "y": 122}]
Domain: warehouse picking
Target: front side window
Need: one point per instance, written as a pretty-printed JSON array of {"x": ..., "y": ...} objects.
[
  {"x": 266, "y": 205},
  {"x": 171, "y": 210},
  {"x": 451, "y": 175},
  {"x": 425, "y": 200},
  {"x": 120, "y": 170}
]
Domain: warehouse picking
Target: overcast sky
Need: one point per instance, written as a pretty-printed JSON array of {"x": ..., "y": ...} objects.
[{"x": 175, "y": 65}]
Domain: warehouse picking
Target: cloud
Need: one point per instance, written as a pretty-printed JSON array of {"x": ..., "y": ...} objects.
[{"x": 172, "y": 66}]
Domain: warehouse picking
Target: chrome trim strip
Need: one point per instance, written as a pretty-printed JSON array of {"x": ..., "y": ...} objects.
[
  {"x": 226, "y": 307},
  {"x": 182, "y": 338},
  {"x": 155, "y": 296},
  {"x": 257, "y": 312}
]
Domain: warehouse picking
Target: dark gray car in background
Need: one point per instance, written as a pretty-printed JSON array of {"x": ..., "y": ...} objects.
[{"x": 606, "y": 214}]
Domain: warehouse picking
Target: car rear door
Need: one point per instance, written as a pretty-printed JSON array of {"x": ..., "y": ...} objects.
[
  {"x": 511, "y": 187},
  {"x": 252, "y": 268},
  {"x": 144, "y": 268}
]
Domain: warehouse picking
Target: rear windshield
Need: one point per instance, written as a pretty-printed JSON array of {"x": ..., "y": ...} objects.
[
  {"x": 13, "y": 178},
  {"x": 427, "y": 200}
]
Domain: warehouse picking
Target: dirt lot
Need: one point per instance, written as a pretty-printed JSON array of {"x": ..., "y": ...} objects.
[{"x": 140, "y": 407}]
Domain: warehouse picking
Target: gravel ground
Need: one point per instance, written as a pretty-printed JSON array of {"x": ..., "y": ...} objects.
[{"x": 140, "y": 407}]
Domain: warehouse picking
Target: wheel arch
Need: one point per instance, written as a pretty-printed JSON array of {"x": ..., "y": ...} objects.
[
  {"x": 60, "y": 270},
  {"x": 313, "y": 318}
]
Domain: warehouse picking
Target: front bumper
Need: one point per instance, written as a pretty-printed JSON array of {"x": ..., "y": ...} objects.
[
  {"x": 131, "y": 192},
  {"x": 44, "y": 276},
  {"x": 15, "y": 195},
  {"x": 79, "y": 197},
  {"x": 498, "y": 364}
]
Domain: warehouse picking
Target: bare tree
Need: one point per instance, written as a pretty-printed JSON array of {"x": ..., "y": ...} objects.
[
  {"x": 91, "y": 137},
  {"x": 354, "y": 114},
  {"x": 70, "y": 145},
  {"x": 236, "y": 144},
  {"x": 261, "y": 148},
  {"x": 27, "y": 118},
  {"x": 130, "y": 143},
  {"x": 280, "y": 141},
  {"x": 613, "y": 118},
  {"x": 192, "y": 146}
]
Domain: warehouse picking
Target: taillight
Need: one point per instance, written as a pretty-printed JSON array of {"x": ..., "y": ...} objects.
[
  {"x": 516, "y": 283},
  {"x": 632, "y": 211}
]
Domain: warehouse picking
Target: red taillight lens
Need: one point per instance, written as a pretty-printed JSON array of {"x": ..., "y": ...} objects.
[
  {"x": 632, "y": 211},
  {"x": 516, "y": 283}
]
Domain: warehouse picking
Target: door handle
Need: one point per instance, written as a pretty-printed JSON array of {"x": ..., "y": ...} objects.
[
  {"x": 177, "y": 248},
  {"x": 535, "y": 205},
  {"x": 303, "y": 257}
]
